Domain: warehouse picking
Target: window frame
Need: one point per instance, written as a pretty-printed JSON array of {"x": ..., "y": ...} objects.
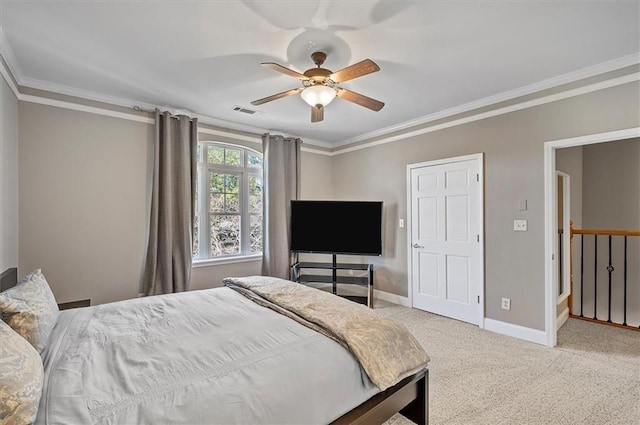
[{"x": 244, "y": 173}]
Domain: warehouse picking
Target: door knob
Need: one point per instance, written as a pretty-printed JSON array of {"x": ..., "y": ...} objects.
[{"x": 415, "y": 245}]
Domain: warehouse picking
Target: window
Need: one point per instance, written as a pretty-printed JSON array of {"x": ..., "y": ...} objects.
[{"x": 228, "y": 217}]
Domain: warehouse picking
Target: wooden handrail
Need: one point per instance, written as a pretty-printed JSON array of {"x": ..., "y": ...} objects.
[{"x": 605, "y": 232}]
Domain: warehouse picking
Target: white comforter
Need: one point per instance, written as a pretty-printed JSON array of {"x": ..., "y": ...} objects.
[{"x": 200, "y": 357}]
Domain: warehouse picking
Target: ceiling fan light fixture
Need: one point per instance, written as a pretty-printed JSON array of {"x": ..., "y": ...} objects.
[{"x": 318, "y": 95}]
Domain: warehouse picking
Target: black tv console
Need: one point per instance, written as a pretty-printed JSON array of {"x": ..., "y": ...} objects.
[{"x": 367, "y": 281}]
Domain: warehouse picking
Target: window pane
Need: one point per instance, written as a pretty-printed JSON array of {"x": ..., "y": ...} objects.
[
  {"x": 217, "y": 203},
  {"x": 215, "y": 155},
  {"x": 255, "y": 194},
  {"x": 254, "y": 160},
  {"x": 217, "y": 182},
  {"x": 232, "y": 204},
  {"x": 225, "y": 235},
  {"x": 232, "y": 157},
  {"x": 196, "y": 236},
  {"x": 256, "y": 233},
  {"x": 231, "y": 183}
]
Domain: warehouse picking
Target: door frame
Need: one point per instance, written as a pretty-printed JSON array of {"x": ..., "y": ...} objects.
[
  {"x": 566, "y": 235},
  {"x": 551, "y": 216},
  {"x": 479, "y": 157}
]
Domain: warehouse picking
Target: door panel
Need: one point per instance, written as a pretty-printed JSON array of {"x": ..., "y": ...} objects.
[
  {"x": 446, "y": 209},
  {"x": 429, "y": 274},
  {"x": 457, "y": 218},
  {"x": 428, "y": 228},
  {"x": 457, "y": 279}
]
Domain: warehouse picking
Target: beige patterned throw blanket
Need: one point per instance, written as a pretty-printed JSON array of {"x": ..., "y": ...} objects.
[{"x": 385, "y": 349}]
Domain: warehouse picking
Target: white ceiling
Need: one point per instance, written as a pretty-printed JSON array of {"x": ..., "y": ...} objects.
[{"x": 204, "y": 56}]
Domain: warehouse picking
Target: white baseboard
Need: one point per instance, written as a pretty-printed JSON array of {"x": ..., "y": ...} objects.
[
  {"x": 516, "y": 331},
  {"x": 562, "y": 318},
  {"x": 392, "y": 298}
]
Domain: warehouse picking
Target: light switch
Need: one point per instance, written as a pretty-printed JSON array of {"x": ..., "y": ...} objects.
[
  {"x": 522, "y": 205},
  {"x": 520, "y": 225},
  {"x": 401, "y": 222}
]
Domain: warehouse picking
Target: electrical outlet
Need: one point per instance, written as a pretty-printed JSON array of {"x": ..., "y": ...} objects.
[{"x": 506, "y": 304}]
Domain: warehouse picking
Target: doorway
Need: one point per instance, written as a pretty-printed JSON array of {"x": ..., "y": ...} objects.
[
  {"x": 445, "y": 242},
  {"x": 551, "y": 218}
]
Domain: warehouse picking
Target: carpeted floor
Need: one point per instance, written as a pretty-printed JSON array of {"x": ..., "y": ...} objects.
[{"x": 479, "y": 377}]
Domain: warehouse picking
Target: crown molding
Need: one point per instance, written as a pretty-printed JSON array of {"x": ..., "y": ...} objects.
[
  {"x": 85, "y": 108},
  {"x": 129, "y": 103},
  {"x": 5, "y": 67},
  {"x": 10, "y": 59},
  {"x": 7, "y": 77},
  {"x": 499, "y": 111},
  {"x": 549, "y": 83},
  {"x": 244, "y": 137},
  {"x": 315, "y": 151}
]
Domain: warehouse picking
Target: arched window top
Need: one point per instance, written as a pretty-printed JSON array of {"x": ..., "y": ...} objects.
[{"x": 226, "y": 154}]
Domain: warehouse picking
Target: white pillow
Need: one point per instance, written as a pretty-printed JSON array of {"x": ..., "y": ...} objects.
[
  {"x": 22, "y": 376},
  {"x": 30, "y": 309}
]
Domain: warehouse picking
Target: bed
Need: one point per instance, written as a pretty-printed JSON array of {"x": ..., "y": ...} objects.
[{"x": 212, "y": 356}]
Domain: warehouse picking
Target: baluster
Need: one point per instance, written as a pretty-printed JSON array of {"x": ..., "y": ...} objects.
[
  {"x": 610, "y": 269},
  {"x": 570, "y": 283},
  {"x": 561, "y": 272},
  {"x": 581, "y": 274},
  {"x": 595, "y": 278},
  {"x": 624, "y": 322}
]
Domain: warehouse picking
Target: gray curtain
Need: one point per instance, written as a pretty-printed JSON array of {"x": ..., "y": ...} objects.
[
  {"x": 168, "y": 262},
  {"x": 281, "y": 159}
]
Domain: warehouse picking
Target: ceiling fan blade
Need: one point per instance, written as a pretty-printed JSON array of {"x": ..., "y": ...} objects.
[
  {"x": 317, "y": 113},
  {"x": 356, "y": 70},
  {"x": 277, "y": 96},
  {"x": 367, "y": 102},
  {"x": 285, "y": 70}
]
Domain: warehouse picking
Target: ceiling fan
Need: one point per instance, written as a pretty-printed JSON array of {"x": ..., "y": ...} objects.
[{"x": 320, "y": 85}]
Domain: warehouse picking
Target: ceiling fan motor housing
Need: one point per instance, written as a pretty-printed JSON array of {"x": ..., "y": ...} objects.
[{"x": 318, "y": 75}]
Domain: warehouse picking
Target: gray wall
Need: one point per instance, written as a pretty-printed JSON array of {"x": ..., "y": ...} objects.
[
  {"x": 84, "y": 200},
  {"x": 611, "y": 191},
  {"x": 317, "y": 183},
  {"x": 84, "y": 197},
  {"x": 513, "y": 147},
  {"x": 8, "y": 177}
]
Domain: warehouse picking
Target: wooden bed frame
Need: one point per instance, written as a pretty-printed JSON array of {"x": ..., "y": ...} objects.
[
  {"x": 8, "y": 279},
  {"x": 409, "y": 397}
]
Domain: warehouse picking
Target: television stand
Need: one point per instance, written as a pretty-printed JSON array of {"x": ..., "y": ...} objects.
[{"x": 335, "y": 279}]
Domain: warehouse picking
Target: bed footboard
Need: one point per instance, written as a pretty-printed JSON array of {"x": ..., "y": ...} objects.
[{"x": 410, "y": 397}]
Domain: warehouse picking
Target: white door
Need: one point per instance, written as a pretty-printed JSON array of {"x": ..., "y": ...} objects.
[{"x": 445, "y": 240}]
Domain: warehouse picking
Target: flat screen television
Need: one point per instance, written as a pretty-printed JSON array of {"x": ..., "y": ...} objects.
[{"x": 336, "y": 227}]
